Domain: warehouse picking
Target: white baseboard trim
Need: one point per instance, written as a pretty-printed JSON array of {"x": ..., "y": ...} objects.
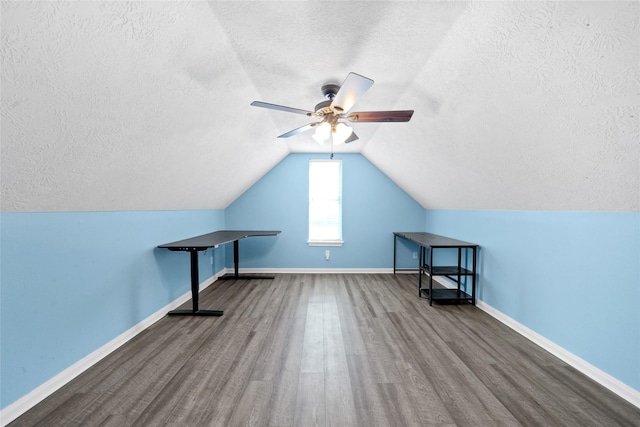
[
  {"x": 621, "y": 389},
  {"x": 22, "y": 405}
]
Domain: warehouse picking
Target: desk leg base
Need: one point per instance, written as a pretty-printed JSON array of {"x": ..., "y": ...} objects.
[
  {"x": 243, "y": 277},
  {"x": 196, "y": 313}
]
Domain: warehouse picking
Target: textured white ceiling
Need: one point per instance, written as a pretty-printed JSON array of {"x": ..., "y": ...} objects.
[{"x": 145, "y": 105}]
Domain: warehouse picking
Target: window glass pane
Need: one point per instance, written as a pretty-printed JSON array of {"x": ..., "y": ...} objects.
[{"x": 325, "y": 200}]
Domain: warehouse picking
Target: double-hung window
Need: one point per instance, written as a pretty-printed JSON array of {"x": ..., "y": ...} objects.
[{"x": 325, "y": 203}]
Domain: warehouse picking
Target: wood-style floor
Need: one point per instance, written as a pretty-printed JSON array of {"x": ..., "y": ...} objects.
[{"x": 330, "y": 350}]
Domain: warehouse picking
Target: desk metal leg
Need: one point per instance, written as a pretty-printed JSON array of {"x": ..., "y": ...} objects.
[
  {"x": 431, "y": 275},
  {"x": 395, "y": 238},
  {"x": 236, "y": 257},
  {"x": 473, "y": 278},
  {"x": 195, "y": 293},
  {"x": 459, "y": 269},
  {"x": 421, "y": 265}
]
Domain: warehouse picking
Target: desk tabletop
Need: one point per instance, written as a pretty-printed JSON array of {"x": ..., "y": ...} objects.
[
  {"x": 433, "y": 240},
  {"x": 216, "y": 238}
]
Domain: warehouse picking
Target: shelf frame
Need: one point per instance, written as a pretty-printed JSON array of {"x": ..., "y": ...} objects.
[{"x": 427, "y": 243}]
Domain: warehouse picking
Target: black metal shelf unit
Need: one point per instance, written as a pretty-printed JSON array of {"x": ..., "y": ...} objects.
[
  {"x": 451, "y": 272},
  {"x": 428, "y": 243}
]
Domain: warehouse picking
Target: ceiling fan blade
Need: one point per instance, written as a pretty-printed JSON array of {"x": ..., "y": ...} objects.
[
  {"x": 281, "y": 108},
  {"x": 352, "y": 137},
  {"x": 298, "y": 130},
  {"x": 381, "y": 116},
  {"x": 353, "y": 87}
]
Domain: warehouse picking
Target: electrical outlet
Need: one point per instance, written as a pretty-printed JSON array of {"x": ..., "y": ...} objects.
[
  {"x": 211, "y": 259},
  {"x": 415, "y": 255},
  {"x": 327, "y": 254}
]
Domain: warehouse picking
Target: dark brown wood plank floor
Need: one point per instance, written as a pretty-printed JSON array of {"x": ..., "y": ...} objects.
[{"x": 330, "y": 350}]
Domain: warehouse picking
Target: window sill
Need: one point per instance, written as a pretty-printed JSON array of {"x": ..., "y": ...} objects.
[{"x": 325, "y": 242}]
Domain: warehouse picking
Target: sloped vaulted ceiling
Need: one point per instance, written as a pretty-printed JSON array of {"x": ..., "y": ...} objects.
[{"x": 145, "y": 105}]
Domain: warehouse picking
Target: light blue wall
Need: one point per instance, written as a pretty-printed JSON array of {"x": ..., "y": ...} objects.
[
  {"x": 373, "y": 207},
  {"x": 573, "y": 277},
  {"x": 71, "y": 282}
]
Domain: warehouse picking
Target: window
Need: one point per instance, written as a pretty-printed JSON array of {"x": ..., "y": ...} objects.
[{"x": 325, "y": 203}]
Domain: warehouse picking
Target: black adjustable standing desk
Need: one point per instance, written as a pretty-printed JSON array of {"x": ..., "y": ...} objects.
[{"x": 202, "y": 243}]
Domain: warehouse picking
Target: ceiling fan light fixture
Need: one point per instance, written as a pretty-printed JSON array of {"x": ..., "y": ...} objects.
[
  {"x": 322, "y": 133},
  {"x": 341, "y": 133}
]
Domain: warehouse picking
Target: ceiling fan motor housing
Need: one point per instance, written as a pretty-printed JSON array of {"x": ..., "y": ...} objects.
[{"x": 323, "y": 106}]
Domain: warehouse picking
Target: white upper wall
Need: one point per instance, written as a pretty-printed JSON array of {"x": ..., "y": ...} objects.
[{"x": 145, "y": 105}]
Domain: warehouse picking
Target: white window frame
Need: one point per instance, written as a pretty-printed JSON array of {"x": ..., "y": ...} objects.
[{"x": 317, "y": 241}]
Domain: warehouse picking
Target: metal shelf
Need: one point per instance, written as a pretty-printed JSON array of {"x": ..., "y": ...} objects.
[
  {"x": 448, "y": 295},
  {"x": 446, "y": 270}
]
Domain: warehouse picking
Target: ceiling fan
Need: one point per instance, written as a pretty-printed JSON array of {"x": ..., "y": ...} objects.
[{"x": 339, "y": 100}]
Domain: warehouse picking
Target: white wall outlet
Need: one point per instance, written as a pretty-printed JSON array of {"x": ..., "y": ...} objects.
[
  {"x": 211, "y": 259},
  {"x": 327, "y": 254},
  {"x": 415, "y": 255}
]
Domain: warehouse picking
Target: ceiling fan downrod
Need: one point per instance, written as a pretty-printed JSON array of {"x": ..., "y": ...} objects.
[{"x": 330, "y": 90}]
